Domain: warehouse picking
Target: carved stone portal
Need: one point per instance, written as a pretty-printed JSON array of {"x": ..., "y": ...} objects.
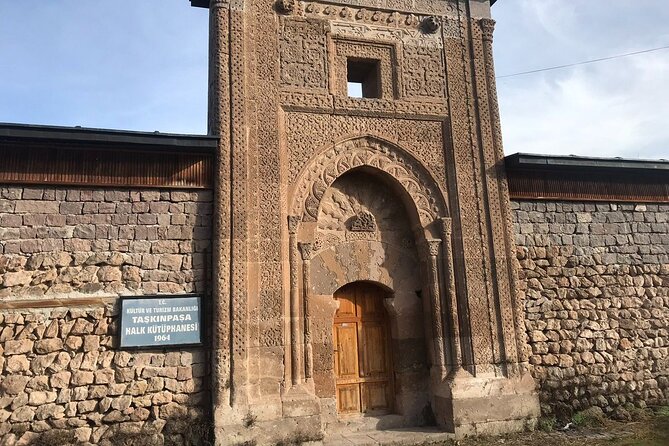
[{"x": 318, "y": 189}]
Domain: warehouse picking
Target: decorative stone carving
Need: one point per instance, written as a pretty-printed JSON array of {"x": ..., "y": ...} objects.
[
  {"x": 370, "y": 152},
  {"x": 363, "y": 222},
  {"x": 423, "y": 72},
  {"x": 430, "y": 24},
  {"x": 362, "y": 15},
  {"x": 306, "y": 249},
  {"x": 487, "y": 29},
  {"x": 410, "y": 36},
  {"x": 303, "y": 54},
  {"x": 293, "y": 222},
  {"x": 285, "y": 6},
  {"x": 433, "y": 247}
]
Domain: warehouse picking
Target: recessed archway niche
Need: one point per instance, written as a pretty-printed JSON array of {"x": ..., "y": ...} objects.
[{"x": 364, "y": 234}]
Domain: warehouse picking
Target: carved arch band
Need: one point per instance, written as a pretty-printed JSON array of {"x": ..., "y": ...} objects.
[{"x": 369, "y": 151}]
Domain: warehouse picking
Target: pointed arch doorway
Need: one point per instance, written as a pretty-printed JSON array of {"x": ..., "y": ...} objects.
[{"x": 362, "y": 358}]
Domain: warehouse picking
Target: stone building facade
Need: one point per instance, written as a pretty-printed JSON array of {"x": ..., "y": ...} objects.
[
  {"x": 297, "y": 242},
  {"x": 67, "y": 252},
  {"x": 362, "y": 260}
]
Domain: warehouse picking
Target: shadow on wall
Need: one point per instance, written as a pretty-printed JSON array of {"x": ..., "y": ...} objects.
[{"x": 173, "y": 432}]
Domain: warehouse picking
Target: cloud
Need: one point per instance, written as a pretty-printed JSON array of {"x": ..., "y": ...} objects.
[
  {"x": 615, "y": 109},
  {"x": 612, "y": 108},
  {"x": 556, "y": 17}
]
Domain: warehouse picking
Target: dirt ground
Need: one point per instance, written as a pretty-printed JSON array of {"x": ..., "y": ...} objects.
[{"x": 653, "y": 431}]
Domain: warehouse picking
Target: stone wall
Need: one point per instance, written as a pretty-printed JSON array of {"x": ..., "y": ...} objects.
[
  {"x": 66, "y": 254},
  {"x": 58, "y": 242},
  {"x": 62, "y": 370},
  {"x": 596, "y": 283}
]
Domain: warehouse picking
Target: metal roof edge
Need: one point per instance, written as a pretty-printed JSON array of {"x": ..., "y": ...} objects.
[
  {"x": 528, "y": 160},
  {"x": 199, "y": 3},
  {"x": 109, "y": 136}
]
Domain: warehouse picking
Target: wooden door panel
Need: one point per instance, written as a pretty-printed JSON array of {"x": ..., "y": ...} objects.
[
  {"x": 346, "y": 355},
  {"x": 371, "y": 306},
  {"x": 348, "y": 398},
  {"x": 375, "y": 397},
  {"x": 346, "y": 307},
  {"x": 374, "y": 363},
  {"x": 362, "y": 363}
]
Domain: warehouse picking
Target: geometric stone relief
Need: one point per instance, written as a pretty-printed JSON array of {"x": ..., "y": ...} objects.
[
  {"x": 371, "y": 152},
  {"x": 355, "y": 197},
  {"x": 424, "y": 72},
  {"x": 303, "y": 54},
  {"x": 363, "y": 222},
  {"x": 359, "y": 206}
]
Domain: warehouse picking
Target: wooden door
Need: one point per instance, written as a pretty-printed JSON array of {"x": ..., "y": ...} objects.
[{"x": 363, "y": 366}]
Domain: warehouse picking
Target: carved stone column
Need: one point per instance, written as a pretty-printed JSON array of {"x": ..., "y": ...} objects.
[
  {"x": 296, "y": 369},
  {"x": 435, "y": 292},
  {"x": 219, "y": 124},
  {"x": 451, "y": 296},
  {"x": 306, "y": 251},
  {"x": 521, "y": 356}
]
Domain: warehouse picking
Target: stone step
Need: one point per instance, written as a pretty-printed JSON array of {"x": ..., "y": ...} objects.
[{"x": 404, "y": 437}]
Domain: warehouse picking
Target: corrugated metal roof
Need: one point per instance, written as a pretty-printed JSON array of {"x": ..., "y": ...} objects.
[
  {"x": 162, "y": 141},
  {"x": 36, "y": 154},
  {"x": 548, "y": 161},
  {"x": 578, "y": 178}
]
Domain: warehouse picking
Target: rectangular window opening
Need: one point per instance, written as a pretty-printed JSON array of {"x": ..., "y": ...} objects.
[{"x": 363, "y": 78}]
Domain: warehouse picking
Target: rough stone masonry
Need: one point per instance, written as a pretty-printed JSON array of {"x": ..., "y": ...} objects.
[
  {"x": 596, "y": 283},
  {"x": 65, "y": 253}
]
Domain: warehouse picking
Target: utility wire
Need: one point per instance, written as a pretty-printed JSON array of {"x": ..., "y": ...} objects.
[{"x": 583, "y": 63}]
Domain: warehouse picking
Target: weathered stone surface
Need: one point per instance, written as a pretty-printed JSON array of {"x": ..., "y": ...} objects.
[
  {"x": 80, "y": 378},
  {"x": 14, "y": 384},
  {"x": 17, "y": 364},
  {"x": 78, "y": 248},
  {"x": 60, "y": 380},
  {"x": 45, "y": 346},
  {"x": 23, "y": 414},
  {"x": 18, "y": 347}
]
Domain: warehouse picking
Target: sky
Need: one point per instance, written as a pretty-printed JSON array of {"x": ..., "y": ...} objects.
[
  {"x": 142, "y": 65},
  {"x": 614, "y": 108}
]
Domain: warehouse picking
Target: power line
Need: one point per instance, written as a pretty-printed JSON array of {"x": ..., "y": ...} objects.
[{"x": 583, "y": 63}]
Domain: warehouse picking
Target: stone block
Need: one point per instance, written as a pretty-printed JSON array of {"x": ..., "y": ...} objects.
[
  {"x": 82, "y": 378},
  {"x": 17, "y": 364},
  {"x": 19, "y": 278},
  {"x": 51, "y": 345},
  {"x": 60, "y": 380},
  {"x": 36, "y": 207},
  {"x": 23, "y": 414},
  {"x": 17, "y": 347}
]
